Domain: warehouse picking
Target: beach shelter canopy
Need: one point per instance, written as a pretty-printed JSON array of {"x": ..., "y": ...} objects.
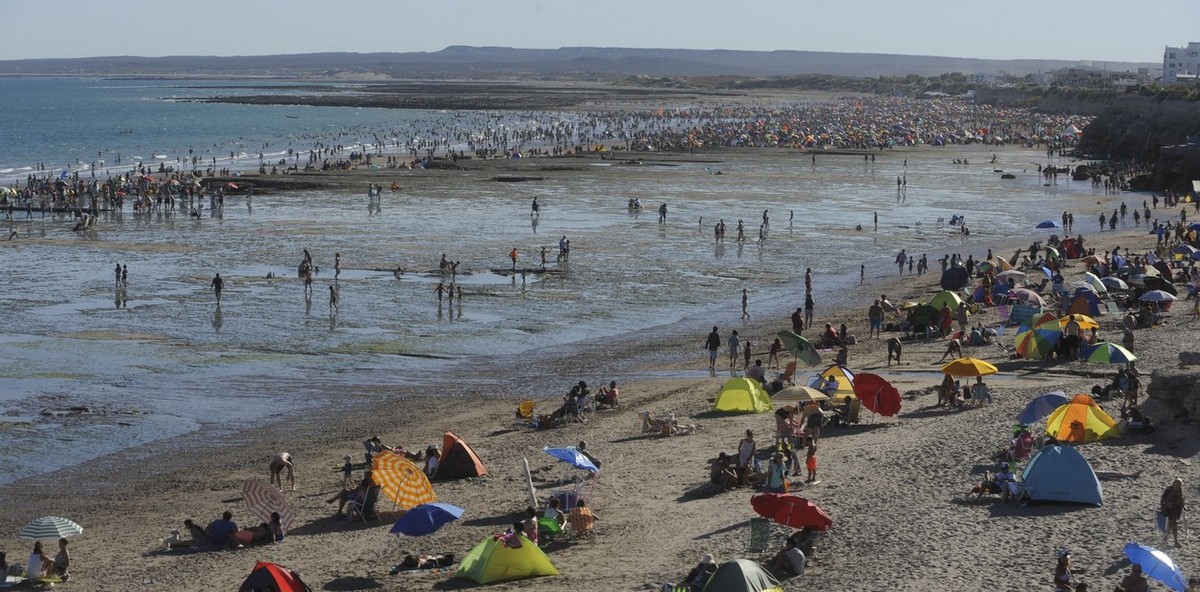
[
  {"x": 1156, "y": 565},
  {"x": 799, "y": 347},
  {"x": 877, "y": 394},
  {"x": 426, "y": 519},
  {"x": 1041, "y": 406},
  {"x": 954, "y": 278},
  {"x": 845, "y": 379},
  {"x": 799, "y": 394},
  {"x": 1061, "y": 474},
  {"x": 49, "y": 528},
  {"x": 262, "y": 499},
  {"x": 1085, "y": 302},
  {"x": 1108, "y": 353},
  {"x": 742, "y": 395},
  {"x": 493, "y": 561},
  {"x": 272, "y": 577},
  {"x": 573, "y": 457},
  {"x": 1081, "y": 420},
  {"x": 969, "y": 367},
  {"x": 742, "y": 575},
  {"x": 790, "y": 510},
  {"x": 400, "y": 480},
  {"x": 458, "y": 460},
  {"x": 952, "y": 299}
]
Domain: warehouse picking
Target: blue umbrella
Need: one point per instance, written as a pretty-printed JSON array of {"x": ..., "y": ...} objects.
[
  {"x": 426, "y": 518},
  {"x": 1047, "y": 224},
  {"x": 1156, "y": 564},
  {"x": 573, "y": 457},
  {"x": 1046, "y": 270},
  {"x": 1041, "y": 406}
]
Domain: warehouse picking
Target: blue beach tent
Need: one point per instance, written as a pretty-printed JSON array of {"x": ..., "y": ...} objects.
[{"x": 1061, "y": 474}]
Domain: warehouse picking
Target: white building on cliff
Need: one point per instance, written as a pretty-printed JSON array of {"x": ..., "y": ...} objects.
[{"x": 1181, "y": 63}]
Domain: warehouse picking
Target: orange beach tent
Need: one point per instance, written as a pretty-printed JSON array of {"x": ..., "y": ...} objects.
[
  {"x": 458, "y": 460},
  {"x": 1081, "y": 420}
]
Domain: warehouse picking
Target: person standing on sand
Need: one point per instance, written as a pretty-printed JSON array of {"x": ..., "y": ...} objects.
[
  {"x": 534, "y": 209},
  {"x": 117, "y": 272},
  {"x": 746, "y": 449},
  {"x": 218, "y": 285},
  {"x": 1172, "y": 506},
  {"x": 808, "y": 281},
  {"x": 875, "y": 319},
  {"x": 713, "y": 345},
  {"x": 543, "y": 257},
  {"x": 745, "y": 301},
  {"x": 876, "y": 221},
  {"x": 513, "y": 255},
  {"x": 809, "y": 304},
  {"x": 662, "y": 213},
  {"x": 798, "y": 321},
  {"x": 901, "y": 259},
  {"x": 733, "y": 349}
]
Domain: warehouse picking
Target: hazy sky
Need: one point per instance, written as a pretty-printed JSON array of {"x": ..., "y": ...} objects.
[{"x": 1100, "y": 30}]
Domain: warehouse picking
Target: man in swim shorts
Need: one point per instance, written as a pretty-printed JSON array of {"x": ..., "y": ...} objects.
[{"x": 282, "y": 461}]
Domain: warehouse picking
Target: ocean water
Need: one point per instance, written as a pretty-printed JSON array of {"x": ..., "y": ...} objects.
[{"x": 159, "y": 359}]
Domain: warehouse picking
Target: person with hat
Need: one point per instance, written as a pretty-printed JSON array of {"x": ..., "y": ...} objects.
[
  {"x": 698, "y": 577},
  {"x": 1135, "y": 581}
]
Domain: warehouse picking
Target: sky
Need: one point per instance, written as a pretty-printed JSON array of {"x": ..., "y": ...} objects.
[{"x": 1097, "y": 30}]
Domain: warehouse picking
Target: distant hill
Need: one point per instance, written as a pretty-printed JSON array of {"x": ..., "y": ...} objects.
[{"x": 588, "y": 63}]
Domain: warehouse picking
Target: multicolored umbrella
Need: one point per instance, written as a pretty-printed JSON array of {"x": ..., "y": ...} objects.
[
  {"x": 1035, "y": 345},
  {"x": 426, "y": 519},
  {"x": 262, "y": 499},
  {"x": 50, "y": 528},
  {"x": 1108, "y": 353},
  {"x": 789, "y": 510},
  {"x": 799, "y": 347},
  {"x": 400, "y": 480},
  {"x": 1156, "y": 565},
  {"x": 969, "y": 367}
]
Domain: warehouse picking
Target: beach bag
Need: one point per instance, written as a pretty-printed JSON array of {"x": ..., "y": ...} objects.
[{"x": 1160, "y": 521}]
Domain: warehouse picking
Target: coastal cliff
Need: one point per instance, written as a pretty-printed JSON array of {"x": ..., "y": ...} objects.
[{"x": 1149, "y": 128}]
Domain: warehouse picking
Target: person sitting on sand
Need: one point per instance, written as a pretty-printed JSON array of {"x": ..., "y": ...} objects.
[
  {"x": 699, "y": 576},
  {"x": 607, "y": 395},
  {"x": 275, "y": 528},
  {"x": 220, "y": 532},
  {"x": 1063, "y": 572},
  {"x": 722, "y": 473},
  {"x": 581, "y": 518},
  {"x": 511, "y": 538},
  {"x": 788, "y": 563},
  {"x": 980, "y": 392},
  {"x": 346, "y": 495},
  {"x": 1135, "y": 581},
  {"x": 946, "y": 391},
  {"x": 554, "y": 513},
  {"x": 199, "y": 538},
  {"x": 38, "y": 565},
  {"x": 830, "y": 386},
  {"x": 804, "y": 539},
  {"x": 433, "y": 457}
]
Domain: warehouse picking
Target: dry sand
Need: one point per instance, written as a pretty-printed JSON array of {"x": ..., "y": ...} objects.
[{"x": 895, "y": 486}]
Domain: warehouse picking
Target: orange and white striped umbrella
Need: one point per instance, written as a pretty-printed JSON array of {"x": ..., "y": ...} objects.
[
  {"x": 262, "y": 498},
  {"x": 401, "y": 481}
]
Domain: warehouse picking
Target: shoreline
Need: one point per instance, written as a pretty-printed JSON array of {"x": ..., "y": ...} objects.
[{"x": 142, "y": 493}]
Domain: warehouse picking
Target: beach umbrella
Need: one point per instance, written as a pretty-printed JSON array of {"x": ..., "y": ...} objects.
[
  {"x": 1028, "y": 296},
  {"x": 790, "y": 510},
  {"x": 1156, "y": 565},
  {"x": 799, "y": 347},
  {"x": 877, "y": 394},
  {"x": 1188, "y": 250},
  {"x": 262, "y": 499},
  {"x": 1047, "y": 224},
  {"x": 1108, "y": 353},
  {"x": 799, "y": 394},
  {"x": 1157, "y": 296},
  {"x": 1114, "y": 283},
  {"x": 573, "y": 457},
  {"x": 969, "y": 367},
  {"x": 1094, "y": 281},
  {"x": 1034, "y": 345},
  {"x": 1041, "y": 406},
  {"x": 1049, "y": 274},
  {"x": 50, "y": 528},
  {"x": 426, "y": 519},
  {"x": 1164, "y": 270},
  {"x": 1051, "y": 252},
  {"x": 1090, "y": 260},
  {"x": 1194, "y": 226},
  {"x": 400, "y": 480},
  {"x": 1085, "y": 322},
  {"x": 1012, "y": 273}
]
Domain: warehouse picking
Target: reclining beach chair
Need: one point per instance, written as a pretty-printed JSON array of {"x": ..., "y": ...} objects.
[
  {"x": 364, "y": 509},
  {"x": 760, "y": 535},
  {"x": 525, "y": 411}
]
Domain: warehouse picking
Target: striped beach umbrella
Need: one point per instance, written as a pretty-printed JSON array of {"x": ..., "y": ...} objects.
[
  {"x": 50, "y": 528},
  {"x": 1034, "y": 344},
  {"x": 401, "y": 481},
  {"x": 1108, "y": 353},
  {"x": 262, "y": 499}
]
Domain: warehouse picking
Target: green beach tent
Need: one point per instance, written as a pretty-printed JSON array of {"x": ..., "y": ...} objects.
[
  {"x": 742, "y": 575},
  {"x": 493, "y": 561},
  {"x": 742, "y": 395},
  {"x": 945, "y": 297}
]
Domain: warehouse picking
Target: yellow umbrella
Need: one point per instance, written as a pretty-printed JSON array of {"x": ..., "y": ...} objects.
[
  {"x": 1085, "y": 322},
  {"x": 969, "y": 367},
  {"x": 401, "y": 481}
]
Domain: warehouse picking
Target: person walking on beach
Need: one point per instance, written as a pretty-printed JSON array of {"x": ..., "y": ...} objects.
[
  {"x": 117, "y": 273},
  {"x": 734, "y": 341},
  {"x": 1172, "y": 506},
  {"x": 535, "y": 209},
  {"x": 333, "y": 298},
  {"x": 876, "y": 221},
  {"x": 713, "y": 345},
  {"x": 337, "y": 265},
  {"x": 440, "y": 290},
  {"x": 808, "y": 281},
  {"x": 745, "y": 299},
  {"x": 662, "y": 213},
  {"x": 862, "y": 274},
  {"x": 218, "y": 285},
  {"x": 513, "y": 255},
  {"x": 809, "y": 304},
  {"x": 124, "y": 276},
  {"x": 901, "y": 259}
]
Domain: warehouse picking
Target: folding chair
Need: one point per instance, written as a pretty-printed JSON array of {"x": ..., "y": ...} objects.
[
  {"x": 582, "y": 522},
  {"x": 364, "y": 509},
  {"x": 525, "y": 409},
  {"x": 760, "y": 535},
  {"x": 548, "y": 529}
]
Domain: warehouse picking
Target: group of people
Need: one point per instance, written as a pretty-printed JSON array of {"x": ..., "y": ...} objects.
[
  {"x": 578, "y": 401},
  {"x": 224, "y": 533}
]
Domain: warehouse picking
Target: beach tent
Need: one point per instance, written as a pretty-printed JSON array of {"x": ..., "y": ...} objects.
[
  {"x": 272, "y": 577},
  {"x": 742, "y": 395},
  {"x": 1085, "y": 302},
  {"x": 1080, "y": 421},
  {"x": 945, "y": 297},
  {"x": 845, "y": 380},
  {"x": 493, "y": 561},
  {"x": 458, "y": 460},
  {"x": 954, "y": 278},
  {"x": 742, "y": 575},
  {"x": 1061, "y": 474}
]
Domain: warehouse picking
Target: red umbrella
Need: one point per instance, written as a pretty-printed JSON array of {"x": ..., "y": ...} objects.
[
  {"x": 789, "y": 510},
  {"x": 877, "y": 394},
  {"x": 232, "y": 186}
]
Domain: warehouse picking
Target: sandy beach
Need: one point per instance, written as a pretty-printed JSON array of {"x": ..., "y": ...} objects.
[{"x": 896, "y": 487}]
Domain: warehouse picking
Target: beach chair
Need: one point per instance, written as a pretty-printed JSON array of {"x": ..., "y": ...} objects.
[
  {"x": 525, "y": 410},
  {"x": 582, "y": 522},
  {"x": 548, "y": 529},
  {"x": 760, "y": 535},
  {"x": 364, "y": 509}
]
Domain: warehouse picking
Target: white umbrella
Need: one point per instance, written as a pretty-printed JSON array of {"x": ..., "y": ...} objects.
[
  {"x": 1094, "y": 281},
  {"x": 1157, "y": 296},
  {"x": 50, "y": 528},
  {"x": 1012, "y": 273}
]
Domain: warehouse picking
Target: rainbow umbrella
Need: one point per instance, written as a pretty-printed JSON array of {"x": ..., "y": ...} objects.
[
  {"x": 1033, "y": 344},
  {"x": 1108, "y": 353}
]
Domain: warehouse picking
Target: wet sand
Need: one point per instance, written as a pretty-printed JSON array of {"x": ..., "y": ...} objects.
[{"x": 893, "y": 485}]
